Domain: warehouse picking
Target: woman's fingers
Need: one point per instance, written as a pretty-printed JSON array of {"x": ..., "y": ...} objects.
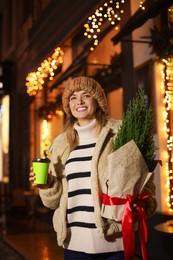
[
  {"x": 31, "y": 176},
  {"x": 49, "y": 183}
]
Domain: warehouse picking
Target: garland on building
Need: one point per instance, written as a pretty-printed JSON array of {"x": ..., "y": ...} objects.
[
  {"x": 162, "y": 42},
  {"x": 162, "y": 47},
  {"x": 167, "y": 90},
  {"x": 51, "y": 108},
  {"x": 108, "y": 74}
]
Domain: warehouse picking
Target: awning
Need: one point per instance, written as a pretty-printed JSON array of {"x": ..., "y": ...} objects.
[{"x": 153, "y": 8}]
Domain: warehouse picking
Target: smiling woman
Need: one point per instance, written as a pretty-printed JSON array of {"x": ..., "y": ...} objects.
[{"x": 78, "y": 175}]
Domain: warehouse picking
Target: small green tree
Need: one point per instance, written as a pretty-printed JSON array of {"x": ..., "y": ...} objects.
[{"x": 137, "y": 125}]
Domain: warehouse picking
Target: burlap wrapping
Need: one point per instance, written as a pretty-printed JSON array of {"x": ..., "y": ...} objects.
[{"x": 127, "y": 174}]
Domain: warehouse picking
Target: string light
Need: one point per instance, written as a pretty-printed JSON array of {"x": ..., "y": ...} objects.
[
  {"x": 110, "y": 11},
  {"x": 141, "y": 5},
  {"x": 46, "y": 70},
  {"x": 45, "y": 135},
  {"x": 45, "y": 130},
  {"x": 167, "y": 91}
]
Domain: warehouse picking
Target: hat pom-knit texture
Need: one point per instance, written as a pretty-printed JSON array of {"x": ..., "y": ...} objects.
[{"x": 89, "y": 85}]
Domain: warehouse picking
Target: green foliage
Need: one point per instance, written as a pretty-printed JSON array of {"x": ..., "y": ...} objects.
[
  {"x": 138, "y": 125},
  {"x": 162, "y": 42},
  {"x": 109, "y": 73},
  {"x": 50, "y": 108}
]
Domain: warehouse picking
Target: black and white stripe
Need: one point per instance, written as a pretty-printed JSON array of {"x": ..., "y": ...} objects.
[{"x": 78, "y": 169}]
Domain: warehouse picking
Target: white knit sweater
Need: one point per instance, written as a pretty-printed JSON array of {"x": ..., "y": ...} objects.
[{"x": 82, "y": 230}]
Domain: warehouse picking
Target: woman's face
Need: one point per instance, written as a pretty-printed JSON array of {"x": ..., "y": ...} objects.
[{"x": 83, "y": 106}]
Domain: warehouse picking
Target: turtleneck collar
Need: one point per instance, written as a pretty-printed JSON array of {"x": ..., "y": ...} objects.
[{"x": 87, "y": 132}]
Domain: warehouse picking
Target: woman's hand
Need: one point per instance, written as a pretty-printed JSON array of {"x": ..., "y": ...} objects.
[{"x": 50, "y": 180}]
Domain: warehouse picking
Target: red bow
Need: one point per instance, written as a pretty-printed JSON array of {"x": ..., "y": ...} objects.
[{"x": 127, "y": 221}]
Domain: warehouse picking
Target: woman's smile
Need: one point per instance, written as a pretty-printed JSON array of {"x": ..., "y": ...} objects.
[
  {"x": 81, "y": 109},
  {"x": 83, "y": 106}
]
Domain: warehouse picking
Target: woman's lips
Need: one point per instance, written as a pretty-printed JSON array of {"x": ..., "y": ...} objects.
[{"x": 79, "y": 109}]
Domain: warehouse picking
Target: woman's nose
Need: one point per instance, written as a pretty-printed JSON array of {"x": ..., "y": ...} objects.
[{"x": 80, "y": 101}]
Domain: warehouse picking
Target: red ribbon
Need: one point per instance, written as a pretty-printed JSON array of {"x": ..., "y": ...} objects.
[{"x": 131, "y": 203}]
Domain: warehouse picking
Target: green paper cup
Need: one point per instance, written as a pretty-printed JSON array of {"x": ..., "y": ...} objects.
[{"x": 40, "y": 168}]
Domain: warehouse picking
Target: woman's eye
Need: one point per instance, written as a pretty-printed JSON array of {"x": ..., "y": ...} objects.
[
  {"x": 73, "y": 97},
  {"x": 86, "y": 95}
]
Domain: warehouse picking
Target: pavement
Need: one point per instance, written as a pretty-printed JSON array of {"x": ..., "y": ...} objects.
[
  {"x": 35, "y": 239},
  {"x": 31, "y": 242}
]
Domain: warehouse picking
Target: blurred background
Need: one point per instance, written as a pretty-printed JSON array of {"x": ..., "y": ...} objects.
[{"x": 43, "y": 44}]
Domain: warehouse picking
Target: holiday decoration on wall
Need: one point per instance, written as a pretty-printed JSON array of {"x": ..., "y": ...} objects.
[
  {"x": 45, "y": 72},
  {"x": 108, "y": 74},
  {"x": 111, "y": 11},
  {"x": 162, "y": 47},
  {"x": 51, "y": 109},
  {"x": 167, "y": 92},
  {"x": 162, "y": 42}
]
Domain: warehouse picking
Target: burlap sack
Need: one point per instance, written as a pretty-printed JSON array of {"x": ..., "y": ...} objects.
[{"x": 127, "y": 174}]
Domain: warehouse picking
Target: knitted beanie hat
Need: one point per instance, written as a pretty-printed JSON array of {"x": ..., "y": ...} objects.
[{"x": 89, "y": 85}]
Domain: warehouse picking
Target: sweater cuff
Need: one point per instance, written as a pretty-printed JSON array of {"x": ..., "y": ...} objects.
[{"x": 50, "y": 191}]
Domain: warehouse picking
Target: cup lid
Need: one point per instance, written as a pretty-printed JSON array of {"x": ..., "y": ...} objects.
[{"x": 47, "y": 160}]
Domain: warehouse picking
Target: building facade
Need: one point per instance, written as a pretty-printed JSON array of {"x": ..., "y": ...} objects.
[{"x": 45, "y": 43}]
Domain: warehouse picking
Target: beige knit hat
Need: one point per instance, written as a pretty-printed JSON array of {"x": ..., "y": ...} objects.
[{"x": 87, "y": 84}]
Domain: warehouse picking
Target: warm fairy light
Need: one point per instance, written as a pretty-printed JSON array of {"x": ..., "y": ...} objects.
[
  {"x": 45, "y": 136},
  {"x": 46, "y": 70},
  {"x": 59, "y": 112},
  {"x": 4, "y": 113},
  {"x": 141, "y": 5},
  {"x": 170, "y": 15},
  {"x": 167, "y": 90},
  {"x": 111, "y": 11}
]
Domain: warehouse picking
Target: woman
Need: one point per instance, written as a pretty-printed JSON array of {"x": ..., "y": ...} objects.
[{"x": 78, "y": 174}]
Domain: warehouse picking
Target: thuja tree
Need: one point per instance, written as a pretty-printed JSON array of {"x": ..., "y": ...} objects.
[{"x": 137, "y": 125}]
